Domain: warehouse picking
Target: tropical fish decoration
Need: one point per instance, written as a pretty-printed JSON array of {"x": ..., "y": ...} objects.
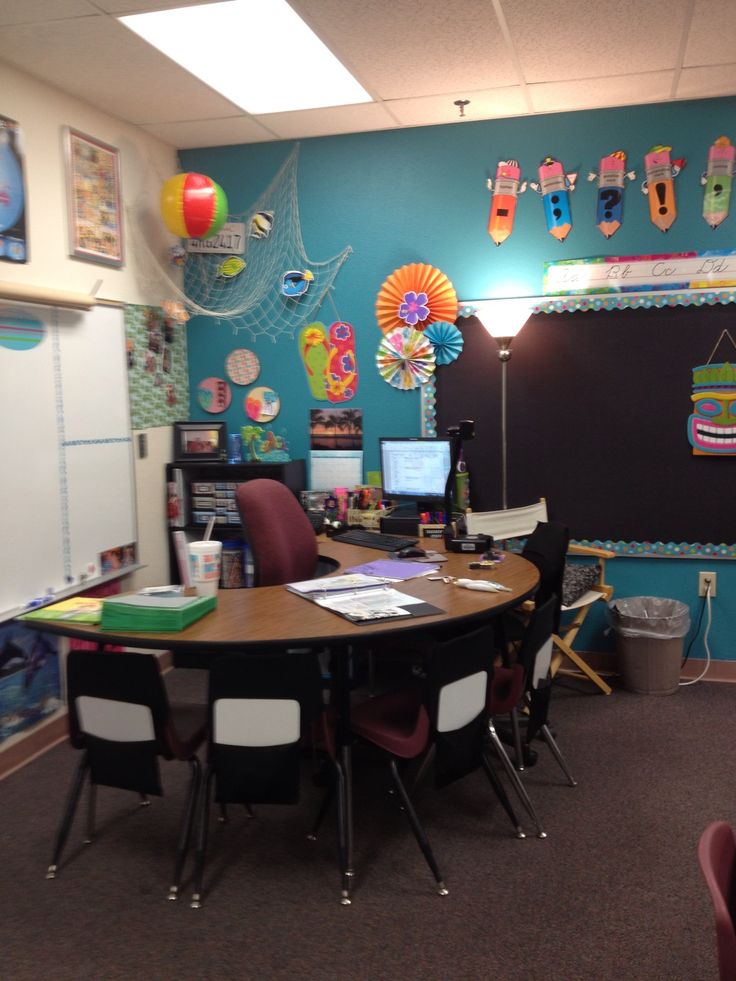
[
  {"x": 296, "y": 282},
  {"x": 261, "y": 224},
  {"x": 611, "y": 176},
  {"x": 554, "y": 185},
  {"x": 659, "y": 185},
  {"x": 505, "y": 190},
  {"x": 231, "y": 267},
  {"x": 717, "y": 180}
]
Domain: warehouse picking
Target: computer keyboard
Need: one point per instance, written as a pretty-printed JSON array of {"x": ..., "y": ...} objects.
[{"x": 374, "y": 539}]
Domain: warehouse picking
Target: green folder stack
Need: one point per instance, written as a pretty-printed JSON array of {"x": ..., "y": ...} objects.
[{"x": 165, "y": 613}]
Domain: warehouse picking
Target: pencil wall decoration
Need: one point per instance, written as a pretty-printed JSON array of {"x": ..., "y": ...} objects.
[
  {"x": 717, "y": 179},
  {"x": 659, "y": 185},
  {"x": 554, "y": 185},
  {"x": 505, "y": 190},
  {"x": 611, "y": 177}
]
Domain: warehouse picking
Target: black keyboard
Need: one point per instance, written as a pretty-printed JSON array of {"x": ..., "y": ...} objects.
[{"x": 373, "y": 539}]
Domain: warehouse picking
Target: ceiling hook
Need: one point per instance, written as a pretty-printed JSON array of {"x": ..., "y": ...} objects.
[{"x": 461, "y": 104}]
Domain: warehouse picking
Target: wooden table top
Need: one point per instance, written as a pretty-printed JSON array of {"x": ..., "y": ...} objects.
[{"x": 273, "y": 615}]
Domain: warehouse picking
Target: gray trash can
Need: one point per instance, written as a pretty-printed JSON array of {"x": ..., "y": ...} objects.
[{"x": 650, "y": 634}]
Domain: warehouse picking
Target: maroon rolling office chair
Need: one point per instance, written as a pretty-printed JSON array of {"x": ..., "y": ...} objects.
[
  {"x": 717, "y": 857},
  {"x": 280, "y": 535}
]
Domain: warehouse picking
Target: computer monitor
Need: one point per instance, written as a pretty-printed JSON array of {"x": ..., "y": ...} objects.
[{"x": 415, "y": 469}]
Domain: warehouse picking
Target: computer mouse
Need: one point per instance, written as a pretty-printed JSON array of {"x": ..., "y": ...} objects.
[{"x": 410, "y": 552}]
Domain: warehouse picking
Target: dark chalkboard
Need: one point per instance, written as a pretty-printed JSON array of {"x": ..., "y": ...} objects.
[{"x": 598, "y": 404}]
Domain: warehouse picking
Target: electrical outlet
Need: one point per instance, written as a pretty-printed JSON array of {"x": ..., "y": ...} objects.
[{"x": 704, "y": 578}]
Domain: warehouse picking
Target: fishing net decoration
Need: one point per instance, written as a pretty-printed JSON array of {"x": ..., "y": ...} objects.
[{"x": 252, "y": 300}]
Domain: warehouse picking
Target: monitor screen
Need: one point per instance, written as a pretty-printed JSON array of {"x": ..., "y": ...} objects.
[{"x": 414, "y": 468}]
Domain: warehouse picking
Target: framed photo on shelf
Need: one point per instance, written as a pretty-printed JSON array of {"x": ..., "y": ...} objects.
[
  {"x": 199, "y": 441},
  {"x": 93, "y": 195}
]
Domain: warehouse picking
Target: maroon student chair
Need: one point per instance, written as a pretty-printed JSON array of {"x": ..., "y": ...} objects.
[{"x": 717, "y": 857}]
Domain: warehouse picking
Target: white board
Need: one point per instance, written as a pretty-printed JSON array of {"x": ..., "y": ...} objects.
[{"x": 68, "y": 489}]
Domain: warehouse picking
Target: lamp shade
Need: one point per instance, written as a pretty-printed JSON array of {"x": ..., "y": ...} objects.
[{"x": 503, "y": 317}]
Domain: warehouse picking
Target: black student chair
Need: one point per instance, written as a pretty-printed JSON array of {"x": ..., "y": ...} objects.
[
  {"x": 527, "y": 684},
  {"x": 440, "y": 722},
  {"x": 261, "y": 707},
  {"x": 121, "y": 720}
]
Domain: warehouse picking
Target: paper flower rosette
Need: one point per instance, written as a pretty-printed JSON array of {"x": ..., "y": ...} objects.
[
  {"x": 415, "y": 295},
  {"x": 405, "y": 358},
  {"x": 446, "y": 340}
]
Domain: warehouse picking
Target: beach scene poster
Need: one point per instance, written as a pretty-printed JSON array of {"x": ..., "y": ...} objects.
[{"x": 336, "y": 429}]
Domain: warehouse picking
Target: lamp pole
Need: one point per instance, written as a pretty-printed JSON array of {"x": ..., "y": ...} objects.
[{"x": 504, "y": 356}]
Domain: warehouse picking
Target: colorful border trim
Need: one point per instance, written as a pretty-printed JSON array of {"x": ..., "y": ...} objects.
[
  {"x": 664, "y": 550},
  {"x": 618, "y": 301}
]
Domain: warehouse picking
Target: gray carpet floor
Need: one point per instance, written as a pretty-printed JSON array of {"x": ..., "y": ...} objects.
[{"x": 614, "y": 892}]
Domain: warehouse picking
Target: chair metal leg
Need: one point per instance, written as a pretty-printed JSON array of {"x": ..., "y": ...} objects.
[
  {"x": 91, "y": 805},
  {"x": 185, "y": 833},
  {"x": 557, "y": 753},
  {"x": 343, "y": 837},
  {"x": 515, "y": 779},
  {"x": 516, "y": 733},
  {"x": 203, "y": 819},
  {"x": 423, "y": 767},
  {"x": 503, "y": 797},
  {"x": 323, "y": 809},
  {"x": 417, "y": 828},
  {"x": 68, "y": 817}
]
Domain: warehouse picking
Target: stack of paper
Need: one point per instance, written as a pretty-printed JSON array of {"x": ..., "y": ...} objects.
[{"x": 166, "y": 613}]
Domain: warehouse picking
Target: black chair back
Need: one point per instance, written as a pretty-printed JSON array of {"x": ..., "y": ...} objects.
[
  {"x": 535, "y": 654},
  {"x": 118, "y": 713},
  {"x": 259, "y": 707},
  {"x": 546, "y": 548},
  {"x": 458, "y": 673}
]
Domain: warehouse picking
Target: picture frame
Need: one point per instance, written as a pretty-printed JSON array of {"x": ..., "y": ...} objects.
[
  {"x": 200, "y": 441},
  {"x": 93, "y": 198}
]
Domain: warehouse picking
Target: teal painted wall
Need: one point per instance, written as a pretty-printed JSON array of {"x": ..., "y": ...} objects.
[{"x": 419, "y": 195}]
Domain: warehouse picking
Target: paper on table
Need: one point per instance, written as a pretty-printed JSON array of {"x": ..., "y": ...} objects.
[
  {"x": 369, "y": 604},
  {"x": 392, "y": 569},
  {"x": 333, "y": 584}
]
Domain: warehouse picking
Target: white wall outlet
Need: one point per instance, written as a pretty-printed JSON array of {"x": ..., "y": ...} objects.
[{"x": 704, "y": 578}]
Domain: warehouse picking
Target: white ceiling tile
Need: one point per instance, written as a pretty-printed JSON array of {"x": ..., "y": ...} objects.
[
  {"x": 114, "y": 70},
  {"x": 324, "y": 122},
  {"x": 403, "y": 48},
  {"x": 431, "y": 110},
  {"x": 39, "y": 11},
  {"x": 559, "y": 40},
  {"x": 712, "y": 39},
  {"x": 231, "y": 131},
  {"x": 598, "y": 93},
  {"x": 707, "y": 83}
]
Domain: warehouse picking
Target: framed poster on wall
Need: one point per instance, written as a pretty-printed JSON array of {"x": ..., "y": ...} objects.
[{"x": 93, "y": 196}]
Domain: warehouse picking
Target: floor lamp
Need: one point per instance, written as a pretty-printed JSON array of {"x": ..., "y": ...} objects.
[{"x": 503, "y": 319}]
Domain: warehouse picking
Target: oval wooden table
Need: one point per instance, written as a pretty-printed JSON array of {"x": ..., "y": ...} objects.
[{"x": 248, "y": 619}]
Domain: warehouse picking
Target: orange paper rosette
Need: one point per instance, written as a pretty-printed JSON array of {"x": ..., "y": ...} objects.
[{"x": 441, "y": 298}]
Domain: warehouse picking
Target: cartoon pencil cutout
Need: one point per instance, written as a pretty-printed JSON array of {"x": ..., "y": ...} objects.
[
  {"x": 610, "y": 202},
  {"x": 660, "y": 186},
  {"x": 553, "y": 184},
  {"x": 503, "y": 203},
  {"x": 718, "y": 180}
]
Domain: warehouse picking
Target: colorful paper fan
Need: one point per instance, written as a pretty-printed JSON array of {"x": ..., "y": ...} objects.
[
  {"x": 415, "y": 278},
  {"x": 405, "y": 358},
  {"x": 446, "y": 339}
]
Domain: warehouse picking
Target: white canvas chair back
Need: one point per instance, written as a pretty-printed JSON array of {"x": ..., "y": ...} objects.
[{"x": 511, "y": 523}]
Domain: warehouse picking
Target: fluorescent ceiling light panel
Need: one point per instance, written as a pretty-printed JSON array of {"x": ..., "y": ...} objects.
[{"x": 258, "y": 53}]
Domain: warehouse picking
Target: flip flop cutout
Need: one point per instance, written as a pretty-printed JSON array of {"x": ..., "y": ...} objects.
[
  {"x": 315, "y": 352},
  {"x": 341, "y": 377}
]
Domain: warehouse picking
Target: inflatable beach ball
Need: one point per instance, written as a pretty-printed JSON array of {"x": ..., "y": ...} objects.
[{"x": 193, "y": 206}]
